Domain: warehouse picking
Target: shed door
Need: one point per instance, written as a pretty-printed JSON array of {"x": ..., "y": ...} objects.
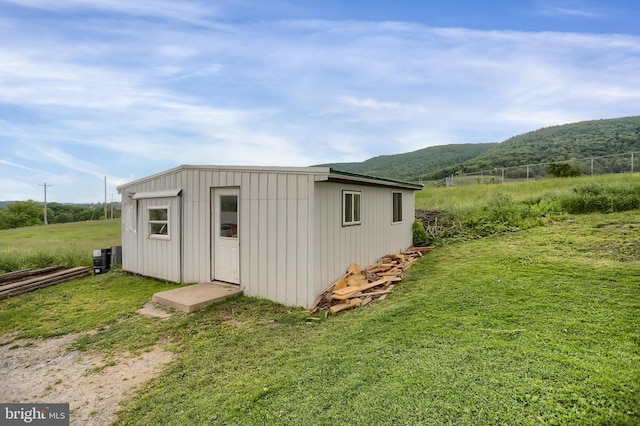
[{"x": 226, "y": 252}]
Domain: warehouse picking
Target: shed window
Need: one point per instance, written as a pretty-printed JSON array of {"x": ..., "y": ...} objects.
[
  {"x": 397, "y": 207},
  {"x": 350, "y": 208},
  {"x": 159, "y": 222},
  {"x": 229, "y": 216}
]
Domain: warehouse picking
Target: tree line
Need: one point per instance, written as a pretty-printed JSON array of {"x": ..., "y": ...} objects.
[{"x": 30, "y": 213}]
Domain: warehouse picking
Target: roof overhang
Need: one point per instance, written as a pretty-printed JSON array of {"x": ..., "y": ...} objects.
[
  {"x": 321, "y": 173},
  {"x": 346, "y": 177}
]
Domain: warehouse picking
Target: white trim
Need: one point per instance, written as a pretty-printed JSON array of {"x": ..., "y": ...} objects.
[
  {"x": 167, "y": 222},
  {"x": 351, "y": 222},
  {"x": 157, "y": 194}
]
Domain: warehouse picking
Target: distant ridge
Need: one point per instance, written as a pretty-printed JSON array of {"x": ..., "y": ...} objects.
[{"x": 555, "y": 143}]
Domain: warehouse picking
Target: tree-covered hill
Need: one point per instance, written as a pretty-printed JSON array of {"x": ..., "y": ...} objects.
[
  {"x": 550, "y": 144},
  {"x": 410, "y": 165}
]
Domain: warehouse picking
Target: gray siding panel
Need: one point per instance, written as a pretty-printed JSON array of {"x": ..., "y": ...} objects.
[
  {"x": 274, "y": 263},
  {"x": 338, "y": 246},
  {"x": 141, "y": 254},
  {"x": 159, "y": 258}
]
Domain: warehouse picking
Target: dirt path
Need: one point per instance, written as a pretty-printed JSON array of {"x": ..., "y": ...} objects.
[{"x": 43, "y": 371}]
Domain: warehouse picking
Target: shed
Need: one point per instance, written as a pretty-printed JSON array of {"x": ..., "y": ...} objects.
[{"x": 279, "y": 233}]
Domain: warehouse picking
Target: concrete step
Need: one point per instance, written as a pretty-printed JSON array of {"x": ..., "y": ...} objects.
[{"x": 197, "y": 296}]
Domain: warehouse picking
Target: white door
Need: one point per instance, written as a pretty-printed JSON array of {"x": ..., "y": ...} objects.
[{"x": 226, "y": 252}]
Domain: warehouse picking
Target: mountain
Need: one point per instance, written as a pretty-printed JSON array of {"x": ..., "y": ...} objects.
[
  {"x": 550, "y": 144},
  {"x": 411, "y": 165}
]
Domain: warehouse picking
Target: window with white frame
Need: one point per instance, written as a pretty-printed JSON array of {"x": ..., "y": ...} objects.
[
  {"x": 351, "y": 207},
  {"x": 397, "y": 207},
  {"x": 159, "y": 222}
]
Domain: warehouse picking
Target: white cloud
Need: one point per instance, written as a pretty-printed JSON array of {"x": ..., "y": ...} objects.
[
  {"x": 134, "y": 99},
  {"x": 568, "y": 8},
  {"x": 370, "y": 103},
  {"x": 11, "y": 164},
  {"x": 177, "y": 52},
  {"x": 179, "y": 10}
]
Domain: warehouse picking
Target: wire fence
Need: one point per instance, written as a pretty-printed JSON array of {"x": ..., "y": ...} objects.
[{"x": 615, "y": 163}]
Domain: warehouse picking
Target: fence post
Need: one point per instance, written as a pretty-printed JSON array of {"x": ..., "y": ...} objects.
[
  {"x": 527, "y": 173},
  {"x": 632, "y": 162},
  {"x": 503, "y": 175},
  {"x": 591, "y": 166}
]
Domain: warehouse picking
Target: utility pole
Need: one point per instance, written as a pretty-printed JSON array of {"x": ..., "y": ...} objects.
[
  {"x": 105, "y": 198},
  {"x": 45, "y": 203}
]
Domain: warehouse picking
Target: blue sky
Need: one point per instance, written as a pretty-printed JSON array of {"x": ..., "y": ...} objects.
[{"x": 125, "y": 89}]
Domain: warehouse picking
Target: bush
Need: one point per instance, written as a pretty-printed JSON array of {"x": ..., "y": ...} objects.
[
  {"x": 601, "y": 198},
  {"x": 544, "y": 206},
  {"x": 420, "y": 238},
  {"x": 498, "y": 214},
  {"x": 563, "y": 170}
]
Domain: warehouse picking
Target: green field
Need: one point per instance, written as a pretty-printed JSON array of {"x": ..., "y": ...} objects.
[
  {"x": 471, "y": 196},
  {"x": 539, "y": 326},
  {"x": 68, "y": 244},
  {"x": 480, "y": 210}
]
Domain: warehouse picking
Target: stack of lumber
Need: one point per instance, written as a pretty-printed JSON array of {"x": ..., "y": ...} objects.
[
  {"x": 19, "y": 282},
  {"x": 359, "y": 287}
]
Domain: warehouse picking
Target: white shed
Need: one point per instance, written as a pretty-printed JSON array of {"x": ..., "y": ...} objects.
[{"x": 283, "y": 234}]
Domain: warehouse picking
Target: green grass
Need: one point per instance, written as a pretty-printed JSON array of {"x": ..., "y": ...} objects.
[
  {"x": 528, "y": 328},
  {"x": 68, "y": 244},
  {"x": 535, "y": 327},
  {"x": 540, "y": 326},
  {"x": 76, "y": 306},
  {"x": 468, "y": 212},
  {"x": 470, "y": 196}
]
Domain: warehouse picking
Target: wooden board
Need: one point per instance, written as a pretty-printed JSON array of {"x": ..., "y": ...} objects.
[
  {"x": 354, "y": 269},
  {"x": 341, "y": 283},
  {"x": 344, "y": 293}
]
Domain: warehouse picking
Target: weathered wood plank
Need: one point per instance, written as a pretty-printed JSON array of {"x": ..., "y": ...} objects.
[
  {"x": 17, "y": 275},
  {"x": 32, "y": 284}
]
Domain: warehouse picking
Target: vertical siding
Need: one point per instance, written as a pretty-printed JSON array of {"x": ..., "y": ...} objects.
[
  {"x": 196, "y": 226},
  {"x": 198, "y": 232},
  {"x": 159, "y": 258},
  {"x": 274, "y": 229},
  {"x": 337, "y": 246},
  {"x": 145, "y": 256},
  {"x": 274, "y": 238}
]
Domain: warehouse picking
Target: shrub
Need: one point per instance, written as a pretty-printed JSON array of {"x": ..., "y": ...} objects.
[
  {"x": 420, "y": 238},
  {"x": 498, "y": 214},
  {"x": 563, "y": 170},
  {"x": 601, "y": 198},
  {"x": 545, "y": 206}
]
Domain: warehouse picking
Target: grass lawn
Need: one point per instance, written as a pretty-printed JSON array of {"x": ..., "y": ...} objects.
[
  {"x": 83, "y": 235},
  {"x": 540, "y": 326},
  {"x": 68, "y": 244},
  {"x": 468, "y": 196}
]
